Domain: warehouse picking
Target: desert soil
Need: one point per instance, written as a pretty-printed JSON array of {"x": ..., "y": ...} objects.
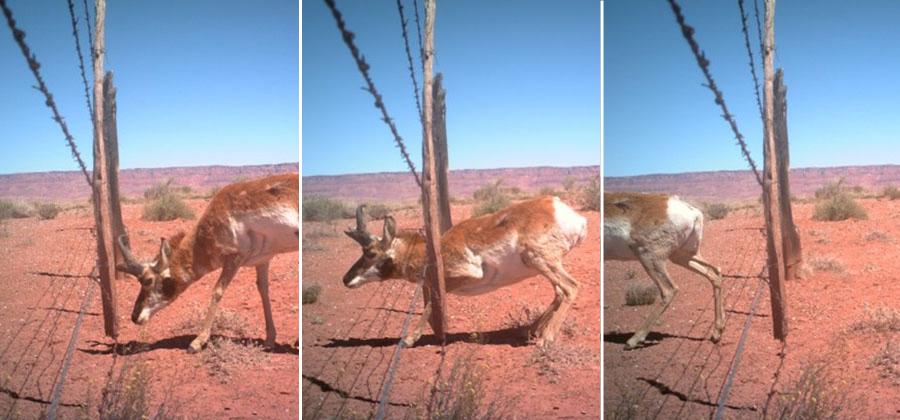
[
  {"x": 679, "y": 373},
  {"x": 350, "y": 336},
  {"x": 38, "y": 313}
]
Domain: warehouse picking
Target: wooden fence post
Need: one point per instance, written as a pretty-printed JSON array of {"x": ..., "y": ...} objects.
[
  {"x": 793, "y": 254},
  {"x": 434, "y": 273},
  {"x": 441, "y": 158},
  {"x": 101, "y": 200},
  {"x": 111, "y": 138},
  {"x": 774, "y": 244}
]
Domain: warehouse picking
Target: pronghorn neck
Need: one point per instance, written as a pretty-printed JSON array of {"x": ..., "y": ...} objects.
[
  {"x": 408, "y": 253},
  {"x": 189, "y": 262}
]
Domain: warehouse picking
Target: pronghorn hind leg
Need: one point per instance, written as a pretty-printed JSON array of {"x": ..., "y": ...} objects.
[
  {"x": 565, "y": 286},
  {"x": 655, "y": 266},
  {"x": 228, "y": 272},
  {"x": 262, "y": 284},
  {"x": 697, "y": 264}
]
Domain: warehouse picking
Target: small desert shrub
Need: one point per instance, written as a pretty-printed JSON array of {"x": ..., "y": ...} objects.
[
  {"x": 891, "y": 192},
  {"x": 47, "y": 211},
  {"x": 223, "y": 357},
  {"x": 592, "y": 195},
  {"x": 548, "y": 191},
  {"x": 13, "y": 210},
  {"x": 490, "y": 198},
  {"x": 831, "y": 190},
  {"x": 568, "y": 183},
  {"x": 640, "y": 294},
  {"x": 887, "y": 361},
  {"x": 876, "y": 235},
  {"x": 310, "y": 245},
  {"x": 878, "y": 319},
  {"x": 837, "y": 208},
  {"x": 318, "y": 208},
  {"x": 311, "y": 293},
  {"x": 550, "y": 359},
  {"x": 815, "y": 395},
  {"x": 625, "y": 408},
  {"x": 226, "y": 321},
  {"x": 377, "y": 211},
  {"x": 165, "y": 208},
  {"x": 717, "y": 211},
  {"x": 126, "y": 396},
  {"x": 826, "y": 263},
  {"x": 630, "y": 274},
  {"x": 159, "y": 190},
  {"x": 461, "y": 395}
]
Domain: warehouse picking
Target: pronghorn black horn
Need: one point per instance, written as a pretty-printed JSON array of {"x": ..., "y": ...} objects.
[
  {"x": 361, "y": 234},
  {"x": 131, "y": 265}
]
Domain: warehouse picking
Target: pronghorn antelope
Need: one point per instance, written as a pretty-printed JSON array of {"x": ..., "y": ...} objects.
[
  {"x": 650, "y": 229},
  {"x": 245, "y": 224},
  {"x": 481, "y": 255}
]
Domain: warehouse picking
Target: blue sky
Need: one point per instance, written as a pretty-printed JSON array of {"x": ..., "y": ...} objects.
[
  {"x": 199, "y": 83},
  {"x": 841, "y": 61},
  {"x": 522, "y": 81}
]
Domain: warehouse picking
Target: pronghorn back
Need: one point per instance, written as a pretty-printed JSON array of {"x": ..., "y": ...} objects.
[{"x": 632, "y": 219}]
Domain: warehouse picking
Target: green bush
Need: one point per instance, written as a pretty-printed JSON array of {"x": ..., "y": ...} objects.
[
  {"x": 47, "y": 211},
  {"x": 490, "y": 198},
  {"x": 717, "y": 211},
  {"x": 168, "y": 207},
  {"x": 592, "y": 196},
  {"x": 318, "y": 208},
  {"x": 13, "y": 210},
  {"x": 159, "y": 190},
  {"x": 839, "y": 207},
  {"x": 831, "y": 190}
]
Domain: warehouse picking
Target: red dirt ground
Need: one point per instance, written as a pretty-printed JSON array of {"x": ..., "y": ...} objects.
[
  {"x": 349, "y": 337},
  {"x": 680, "y": 373},
  {"x": 37, "y": 315}
]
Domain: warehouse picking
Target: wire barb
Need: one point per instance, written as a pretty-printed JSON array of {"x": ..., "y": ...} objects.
[
  {"x": 34, "y": 65},
  {"x": 364, "y": 69},
  {"x": 412, "y": 73},
  {"x": 87, "y": 95},
  {"x": 703, "y": 62},
  {"x": 762, "y": 115}
]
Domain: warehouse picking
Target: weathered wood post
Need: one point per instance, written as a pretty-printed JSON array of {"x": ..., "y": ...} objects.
[
  {"x": 774, "y": 244},
  {"x": 434, "y": 273},
  {"x": 441, "y": 158},
  {"x": 111, "y": 138},
  {"x": 793, "y": 254}
]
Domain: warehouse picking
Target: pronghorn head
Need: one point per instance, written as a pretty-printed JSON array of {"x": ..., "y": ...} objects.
[
  {"x": 158, "y": 287},
  {"x": 377, "y": 260}
]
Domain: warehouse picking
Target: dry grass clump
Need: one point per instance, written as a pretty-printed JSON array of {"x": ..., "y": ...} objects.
[
  {"x": 460, "y": 395},
  {"x": 637, "y": 294},
  {"x": 891, "y": 192},
  {"x": 592, "y": 196},
  {"x": 838, "y": 204},
  {"x": 549, "y": 360},
  {"x": 311, "y": 293},
  {"x": 887, "y": 361},
  {"x": 826, "y": 263},
  {"x": 879, "y": 319},
  {"x": 167, "y": 207},
  {"x": 226, "y": 321},
  {"x": 317, "y": 208},
  {"x": 490, "y": 198},
  {"x": 815, "y": 395},
  {"x": 13, "y": 210},
  {"x": 223, "y": 356},
  {"x": 47, "y": 211},
  {"x": 717, "y": 211},
  {"x": 126, "y": 396},
  {"x": 877, "y": 235}
]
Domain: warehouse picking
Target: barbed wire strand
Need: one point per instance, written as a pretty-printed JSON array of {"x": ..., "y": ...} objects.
[
  {"x": 419, "y": 33},
  {"x": 759, "y": 35},
  {"x": 57, "y": 391},
  {"x": 364, "y": 69},
  {"x": 762, "y": 114},
  {"x": 379, "y": 415},
  {"x": 87, "y": 95},
  {"x": 412, "y": 72},
  {"x": 703, "y": 62},
  {"x": 87, "y": 21},
  {"x": 34, "y": 65}
]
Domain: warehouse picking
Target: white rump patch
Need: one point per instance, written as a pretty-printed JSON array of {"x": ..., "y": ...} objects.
[{"x": 573, "y": 225}]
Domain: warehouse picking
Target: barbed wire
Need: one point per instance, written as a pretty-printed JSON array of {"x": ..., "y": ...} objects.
[
  {"x": 364, "y": 69},
  {"x": 412, "y": 73},
  {"x": 762, "y": 115},
  {"x": 87, "y": 95},
  {"x": 379, "y": 414},
  {"x": 34, "y": 65},
  {"x": 419, "y": 33},
  {"x": 759, "y": 36},
  {"x": 87, "y": 21},
  {"x": 703, "y": 62},
  {"x": 57, "y": 391}
]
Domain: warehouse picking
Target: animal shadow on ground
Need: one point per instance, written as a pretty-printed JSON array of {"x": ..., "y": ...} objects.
[
  {"x": 180, "y": 342},
  {"x": 514, "y": 337},
  {"x": 665, "y": 390},
  {"x": 653, "y": 338}
]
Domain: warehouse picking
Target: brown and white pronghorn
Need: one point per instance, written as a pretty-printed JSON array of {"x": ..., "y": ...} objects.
[
  {"x": 653, "y": 228},
  {"x": 481, "y": 255},
  {"x": 245, "y": 224}
]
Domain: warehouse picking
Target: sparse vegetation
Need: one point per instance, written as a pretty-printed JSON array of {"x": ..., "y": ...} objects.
[
  {"x": 877, "y": 235},
  {"x": 717, "y": 211},
  {"x": 887, "y": 361},
  {"x": 593, "y": 197},
  {"x": 549, "y": 360},
  {"x": 879, "y": 319},
  {"x": 47, "y": 211},
  {"x": 126, "y": 396},
  {"x": 815, "y": 395},
  {"x": 630, "y": 274},
  {"x": 227, "y": 321},
  {"x": 826, "y": 263},
  {"x": 167, "y": 207},
  {"x": 311, "y": 293},
  {"x": 317, "y": 208},
  {"x": 568, "y": 183},
  {"x": 837, "y": 208},
  {"x": 223, "y": 356},
  {"x": 890, "y": 192},
  {"x": 490, "y": 198},
  {"x": 13, "y": 210},
  {"x": 460, "y": 395},
  {"x": 637, "y": 294},
  {"x": 831, "y": 190}
]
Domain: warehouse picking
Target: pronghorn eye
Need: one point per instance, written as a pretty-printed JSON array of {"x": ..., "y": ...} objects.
[{"x": 370, "y": 254}]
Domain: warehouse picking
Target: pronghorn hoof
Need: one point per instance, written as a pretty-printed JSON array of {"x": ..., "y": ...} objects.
[
  {"x": 715, "y": 337},
  {"x": 409, "y": 342},
  {"x": 195, "y": 347}
]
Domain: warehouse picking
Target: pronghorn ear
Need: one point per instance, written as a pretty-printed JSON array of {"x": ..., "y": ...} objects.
[
  {"x": 390, "y": 228},
  {"x": 162, "y": 262}
]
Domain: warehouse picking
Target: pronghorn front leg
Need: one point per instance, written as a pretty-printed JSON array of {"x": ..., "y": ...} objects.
[
  {"x": 262, "y": 284},
  {"x": 413, "y": 336},
  {"x": 228, "y": 271}
]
